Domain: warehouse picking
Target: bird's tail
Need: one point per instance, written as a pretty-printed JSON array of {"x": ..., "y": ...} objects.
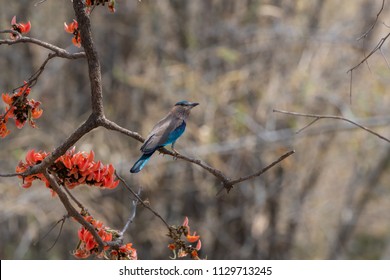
[{"x": 143, "y": 160}]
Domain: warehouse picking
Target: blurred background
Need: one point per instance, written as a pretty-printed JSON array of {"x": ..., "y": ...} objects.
[{"x": 239, "y": 60}]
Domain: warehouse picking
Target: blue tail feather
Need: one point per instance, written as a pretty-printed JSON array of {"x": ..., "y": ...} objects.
[{"x": 141, "y": 163}]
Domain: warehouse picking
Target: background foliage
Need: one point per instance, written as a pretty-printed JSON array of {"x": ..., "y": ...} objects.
[{"x": 239, "y": 60}]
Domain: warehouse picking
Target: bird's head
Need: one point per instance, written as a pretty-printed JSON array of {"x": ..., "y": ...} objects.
[
  {"x": 185, "y": 103},
  {"x": 183, "y": 108}
]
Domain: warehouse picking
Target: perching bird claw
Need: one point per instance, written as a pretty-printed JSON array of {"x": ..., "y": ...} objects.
[{"x": 175, "y": 154}]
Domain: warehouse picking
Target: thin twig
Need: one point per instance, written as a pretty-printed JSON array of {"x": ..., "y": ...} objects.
[
  {"x": 130, "y": 220},
  {"x": 71, "y": 210},
  {"x": 384, "y": 57},
  {"x": 51, "y": 228},
  {"x": 365, "y": 34},
  {"x": 81, "y": 206},
  {"x": 230, "y": 183},
  {"x": 377, "y": 47},
  {"x": 260, "y": 172},
  {"x": 309, "y": 124},
  {"x": 59, "y": 51},
  {"x": 38, "y": 3},
  {"x": 59, "y": 233},
  {"x": 332, "y": 117},
  {"x": 34, "y": 77},
  {"x": 11, "y": 175},
  {"x": 141, "y": 201},
  {"x": 350, "y": 88}
]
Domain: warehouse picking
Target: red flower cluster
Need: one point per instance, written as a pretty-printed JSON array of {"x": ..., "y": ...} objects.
[
  {"x": 182, "y": 249},
  {"x": 72, "y": 169},
  {"x": 21, "y": 28},
  {"x": 20, "y": 109},
  {"x": 73, "y": 28},
  {"x": 32, "y": 158},
  {"x": 88, "y": 245},
  {"x": 91, "y": 3},
  {"x": 125, "y": 252}
]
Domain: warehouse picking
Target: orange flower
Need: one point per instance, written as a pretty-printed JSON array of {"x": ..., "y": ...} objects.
[
  {"x": 88, "y": 246},
  {"x": 22, "y": 28},
  {"x": 172, "y": 246},
  {"x": 190, "y": 238},
  {"x": 3, "y": 126},
  {"x": 20, "y": 108},
  {"x": 7, "y": 98},
  {"x": 72, "y": 169},
  {"x": 128, "y": 252},
  {"x": 81, "y": 254},
  {"x": 36, "y": 113},
  {"x": 73, "y": 28},
  {"x": 33, "y": 158},
  {"x": 194, "y": 255}
]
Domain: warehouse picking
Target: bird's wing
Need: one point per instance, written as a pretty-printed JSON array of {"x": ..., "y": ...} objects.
[{"x": 159, "y": 135}]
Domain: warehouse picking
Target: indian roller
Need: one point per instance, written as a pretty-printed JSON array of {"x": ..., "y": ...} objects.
[{"x": 165, "y": 132}]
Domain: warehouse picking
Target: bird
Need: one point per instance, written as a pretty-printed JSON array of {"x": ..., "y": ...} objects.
[{"x": 165, "y": 132}]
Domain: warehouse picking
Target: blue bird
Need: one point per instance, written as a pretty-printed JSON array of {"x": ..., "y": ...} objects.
[{"x": 165, "y": 132}]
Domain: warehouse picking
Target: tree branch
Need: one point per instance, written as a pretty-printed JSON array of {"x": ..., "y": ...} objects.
[
  {"x": 92, "y": 58},
  {"x": 83, "y": 129},
  {"x": 141, "y": 201},
  {"x": 365, "y": 34},
  {"x": 227, "y": 183},
  {"x": 260, "y": 172},
  {"x": 318, "y": 117},
  {"x": 57, "y": 50},
  {"x": 71, "y": 210},
  {"x": 376, "y": 48}
]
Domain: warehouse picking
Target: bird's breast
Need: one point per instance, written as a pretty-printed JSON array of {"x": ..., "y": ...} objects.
[{"x": 176, "y": 133}]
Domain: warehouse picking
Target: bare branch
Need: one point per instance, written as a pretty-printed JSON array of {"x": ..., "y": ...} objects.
[
  {"x": 39, "y": 3},
  {"x": 260, "y": 172},
  {"x": 306, "y": 126},
  {"x": 134, "y": 203},
  {"x": 53, "y": 227},
  {"x": 113, "y": 126},
  {"x": 376, "y": 48},
  {"x": 384, "y": 57},
  {"x": 58, "y": 51},
  {"x": 365, "y": 34},
  {"x": 71, "y": 210},
  {"x": 141, "y": 201},
  {"x": 59, "y": 233},
  {"x": 10, "y": 175},
  {"x": 318, "y": 117}
]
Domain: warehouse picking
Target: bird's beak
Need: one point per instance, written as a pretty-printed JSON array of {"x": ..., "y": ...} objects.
[{"x": 194, "y": 104}]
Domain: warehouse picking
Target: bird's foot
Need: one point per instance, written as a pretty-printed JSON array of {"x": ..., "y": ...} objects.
[{"x": 175, "y": 153}]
